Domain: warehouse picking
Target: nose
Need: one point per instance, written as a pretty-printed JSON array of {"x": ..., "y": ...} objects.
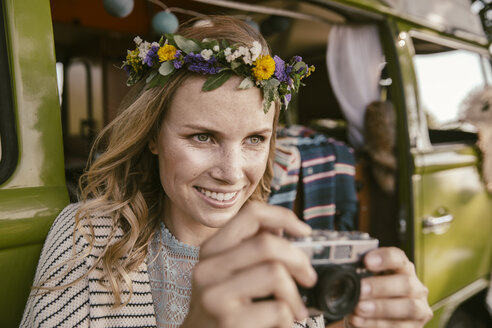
[{"x": 229, "y": 165}]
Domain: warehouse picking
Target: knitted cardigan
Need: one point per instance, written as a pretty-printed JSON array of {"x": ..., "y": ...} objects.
[{"x": 87, "y": 303}]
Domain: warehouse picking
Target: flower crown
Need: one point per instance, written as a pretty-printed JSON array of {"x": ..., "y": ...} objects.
[{"x": 276, "y": 78}]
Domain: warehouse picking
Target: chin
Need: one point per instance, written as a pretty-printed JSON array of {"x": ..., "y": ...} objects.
[{"x": 217, "y": 220}]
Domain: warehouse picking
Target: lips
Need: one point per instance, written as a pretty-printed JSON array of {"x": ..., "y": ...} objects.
[{"x": 217, "y": 196}]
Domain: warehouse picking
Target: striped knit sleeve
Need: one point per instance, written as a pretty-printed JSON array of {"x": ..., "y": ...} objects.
[
  {"x": 67, "y": 306},
  {"x": 312, "y": 322}
]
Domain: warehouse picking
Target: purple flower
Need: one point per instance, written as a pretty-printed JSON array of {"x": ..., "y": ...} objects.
[
  {"x": 177, "y": 64},
  {"x": 297, "y": 58},
  {"x": 282, "y": 71},
  {"x": 286, "y": 100},
  {"x": 151, "y": 55},
  {"x": 196, "y": 63},
  {"x": 127, "y": 69},
  {"x": 178, "y": 61}
]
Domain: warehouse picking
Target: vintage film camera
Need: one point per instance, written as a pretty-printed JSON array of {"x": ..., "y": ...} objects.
[{"x": 337, "y": 258}]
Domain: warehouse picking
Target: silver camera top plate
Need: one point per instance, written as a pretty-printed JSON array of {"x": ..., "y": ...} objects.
[{"x": 325, "y": 247}]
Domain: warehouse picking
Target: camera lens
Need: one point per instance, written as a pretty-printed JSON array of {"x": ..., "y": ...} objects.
[{"x": 338, "y": 291}]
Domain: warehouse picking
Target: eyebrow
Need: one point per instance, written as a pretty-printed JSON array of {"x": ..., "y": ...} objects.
[{"x": 209, "y": 130}]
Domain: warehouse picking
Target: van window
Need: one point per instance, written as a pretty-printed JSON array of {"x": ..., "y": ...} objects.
[
  {"x": 8, "y": 136},
  {"x": 446, "y": 77}
]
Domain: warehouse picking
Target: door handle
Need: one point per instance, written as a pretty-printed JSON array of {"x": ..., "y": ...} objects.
[
  {"x": 434, "y": 221},
  {"x": 437, "y": 224}
]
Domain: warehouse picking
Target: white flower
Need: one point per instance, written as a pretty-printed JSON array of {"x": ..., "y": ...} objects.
[
  {"x": 235, "y": 55},
  {"x": 247, "y": 58},
  {"x": 143, "y": 49},
  {"x": 155, "y": 44},
  {"x": 228, "y": 54},
  {"x": 206, "y": 53},
  {"x": 216, "y": 48},
  {"x": 255, "y": 50},
  {"x": 137, "y": 40},
  {"x": 243, "y": 51}
]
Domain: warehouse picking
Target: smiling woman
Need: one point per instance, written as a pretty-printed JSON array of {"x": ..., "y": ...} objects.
[{"x": 173, "y": 229}]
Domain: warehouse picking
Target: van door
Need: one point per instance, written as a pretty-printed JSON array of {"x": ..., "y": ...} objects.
[
  {"x": 453, "y": 223},
  {"x": 32, "y": 182}
]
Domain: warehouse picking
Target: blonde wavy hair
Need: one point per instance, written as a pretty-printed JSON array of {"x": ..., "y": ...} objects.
[{"x": 123, "y": 182}]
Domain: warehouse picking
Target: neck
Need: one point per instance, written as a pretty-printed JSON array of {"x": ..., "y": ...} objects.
[{"x": 188, "y": 231}]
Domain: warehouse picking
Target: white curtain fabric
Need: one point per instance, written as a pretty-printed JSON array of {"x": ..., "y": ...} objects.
[{"x": 354, "y": 59}]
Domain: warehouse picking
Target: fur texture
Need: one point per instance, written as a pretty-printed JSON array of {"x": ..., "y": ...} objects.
[
  {"x": 380, "y": 139},
  {"x": 477, "y": 110}
]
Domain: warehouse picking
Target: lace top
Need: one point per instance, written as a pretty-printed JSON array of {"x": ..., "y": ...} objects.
[{"x": 170, "y": 266}]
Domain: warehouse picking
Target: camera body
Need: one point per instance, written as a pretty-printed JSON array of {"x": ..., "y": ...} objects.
[{"x": 337, "y": 258}]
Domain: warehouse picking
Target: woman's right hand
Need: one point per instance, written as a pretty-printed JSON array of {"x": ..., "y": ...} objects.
[{"x": 244, "y": 264}]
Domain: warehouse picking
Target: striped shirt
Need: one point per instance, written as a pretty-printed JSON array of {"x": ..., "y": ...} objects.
[
  {"x": 86, "y": 303},
  {"x": 326, "y": 168}
]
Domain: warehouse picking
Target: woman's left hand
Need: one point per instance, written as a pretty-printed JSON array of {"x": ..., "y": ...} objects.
[{"x": 394, "y": 297}]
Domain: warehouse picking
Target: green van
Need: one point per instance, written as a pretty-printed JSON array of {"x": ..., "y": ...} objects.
[{"x": 393, "y": 78}]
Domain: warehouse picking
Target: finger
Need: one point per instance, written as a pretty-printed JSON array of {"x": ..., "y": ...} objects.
[
  {"x": 253, "y": 217},
  {"x": 261, "y": 314},
  {"x": 254, "y": 283},
  {"x": 413, "y": 309},
  {"x": 356, "y": 321},
  {"x": 261, "y": 248},
  {"x": 388, "y": 286},
  {"x": 388, "y": 259}
]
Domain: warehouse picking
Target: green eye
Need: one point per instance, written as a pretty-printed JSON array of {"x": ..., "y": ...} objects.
[
  {"x": 202, "y": 137},
  {"x": 256, "y": 140}
]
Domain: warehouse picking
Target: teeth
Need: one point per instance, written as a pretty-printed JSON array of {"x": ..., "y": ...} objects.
[{"x": 218, "y": 195}]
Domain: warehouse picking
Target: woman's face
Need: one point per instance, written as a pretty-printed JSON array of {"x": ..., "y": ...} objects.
[{"x": 212, "y": 149}]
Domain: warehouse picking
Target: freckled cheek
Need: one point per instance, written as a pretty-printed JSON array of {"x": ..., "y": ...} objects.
[
  {"x": 191, "y": 162},
  {"x": 256, "y": 166}
]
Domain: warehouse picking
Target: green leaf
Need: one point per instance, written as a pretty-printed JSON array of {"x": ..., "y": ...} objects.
[
  {"x": 166, "y": 68},
  {"x": 272, "y": 83},
  {"x": 269, "y": 95},
  {"x": 235, "y": 65},
  {"x": 187, "y": 45},
  {"x": 215, "y": 81},
  {"x": 299, "y": 65},
  {"x": 170, "y": 39},
  {"x": 246, "y": 83},
  {"x": 158, "y": 80},
  {"x": 151, "y": 76},
  {"x": 133, "y": 78},
  {"x": 210, "y": 44}
]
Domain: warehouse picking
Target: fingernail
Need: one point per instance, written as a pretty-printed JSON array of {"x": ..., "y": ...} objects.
[
  {"x": 374, "y": 260},
  {"x": 365, "y": 288},
  {"x": 367, "y": 307}
]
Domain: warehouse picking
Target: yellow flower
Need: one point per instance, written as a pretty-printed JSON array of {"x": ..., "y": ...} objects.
[
  {"x": 310, "y": 70},
  {"x": 264, "y": 68},
  {"x": 133, "y": 60},
  {"x": 166, "y": 52}
]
